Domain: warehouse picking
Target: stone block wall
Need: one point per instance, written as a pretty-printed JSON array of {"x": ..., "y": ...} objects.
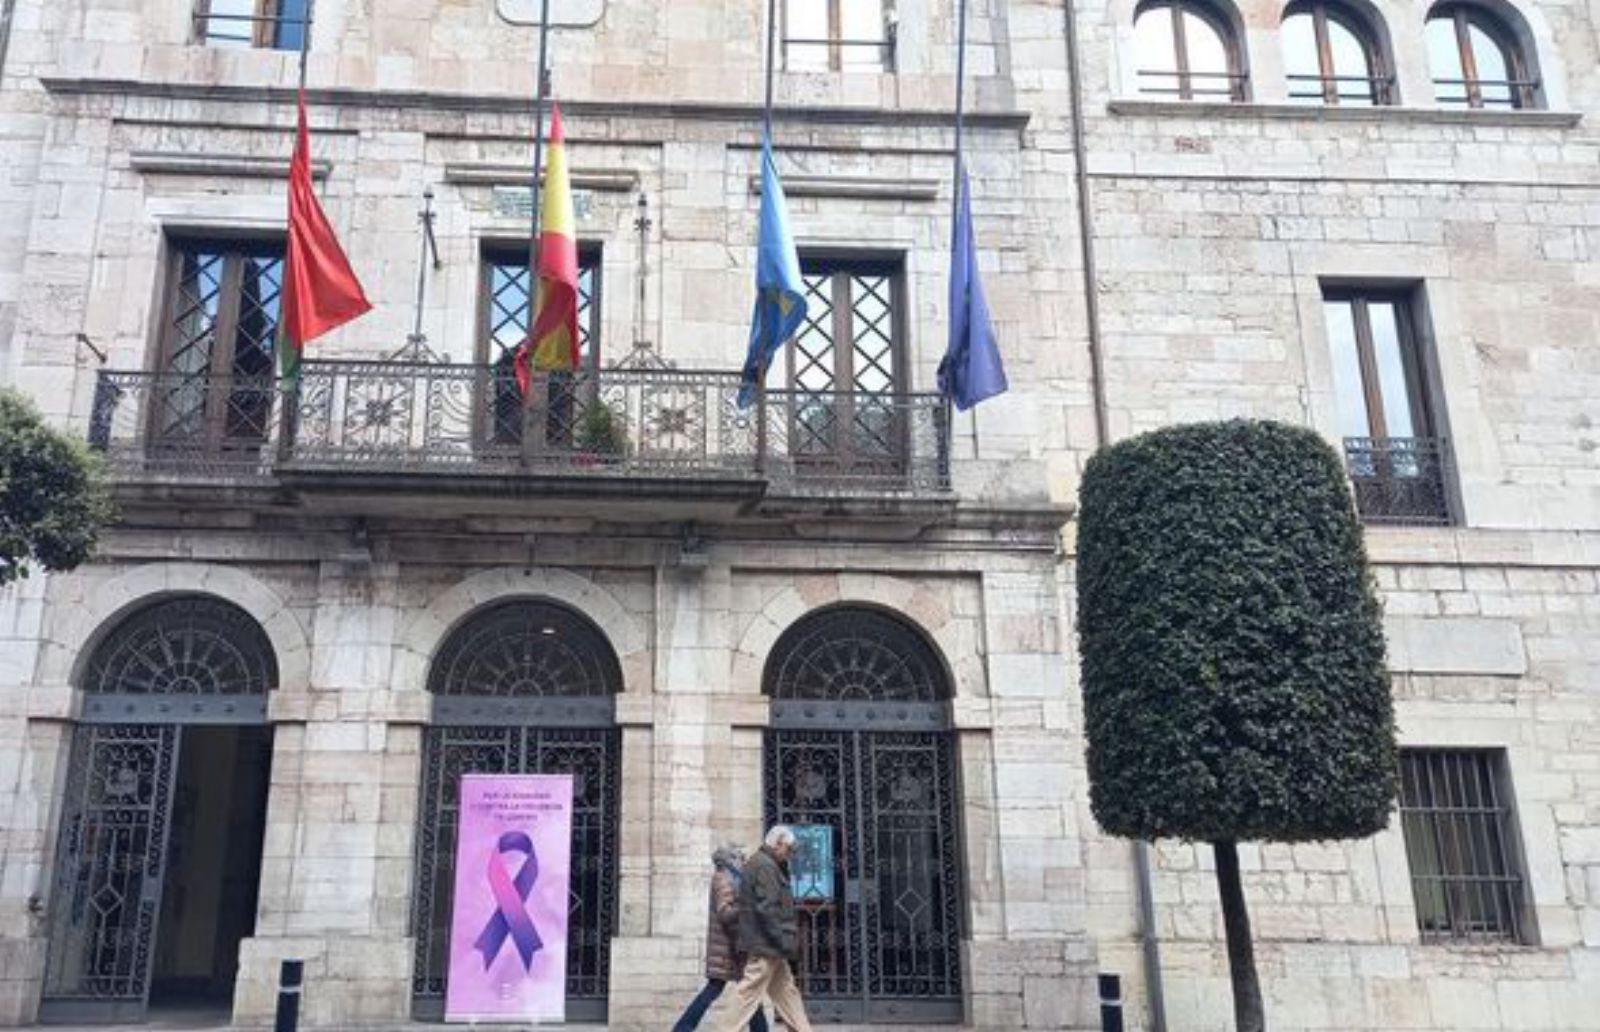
[{"x": 1498, "y": 654}]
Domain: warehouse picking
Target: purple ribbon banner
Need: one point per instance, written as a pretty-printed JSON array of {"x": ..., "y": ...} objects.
[{"x": 510, "y": 918}]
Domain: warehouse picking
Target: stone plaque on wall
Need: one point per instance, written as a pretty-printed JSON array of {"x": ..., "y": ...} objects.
[{"x": 514, "y": 202}]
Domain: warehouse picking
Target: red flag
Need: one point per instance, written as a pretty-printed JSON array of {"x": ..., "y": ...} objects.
[
  {"x": 320, "y": 291},
  {"x": 552, "y": 344}
]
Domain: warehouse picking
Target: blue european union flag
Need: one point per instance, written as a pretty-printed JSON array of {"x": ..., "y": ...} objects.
[
  {"x": 780, "y": 294},
  {"x": 971, "y": 370}
]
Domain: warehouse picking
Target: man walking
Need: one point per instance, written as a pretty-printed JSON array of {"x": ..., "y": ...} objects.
[{"x": 769, "y": 935}]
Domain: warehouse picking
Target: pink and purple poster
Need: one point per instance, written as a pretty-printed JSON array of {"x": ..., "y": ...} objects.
[{"x": 508, "y": 929}]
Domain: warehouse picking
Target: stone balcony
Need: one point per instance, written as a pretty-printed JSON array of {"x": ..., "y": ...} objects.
[{"x": 384, "y": 437}]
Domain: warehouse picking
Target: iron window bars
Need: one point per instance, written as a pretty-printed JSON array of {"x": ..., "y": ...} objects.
[{"x": 1461, "y": 845}]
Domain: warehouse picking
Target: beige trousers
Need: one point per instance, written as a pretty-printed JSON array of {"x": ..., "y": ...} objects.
[{"x": 771, "y": 978}]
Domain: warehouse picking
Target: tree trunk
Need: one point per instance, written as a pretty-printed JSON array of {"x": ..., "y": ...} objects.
[{"x": 1248, "y": 1013}]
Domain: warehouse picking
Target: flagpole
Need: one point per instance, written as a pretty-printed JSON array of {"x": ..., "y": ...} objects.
[
  {"x": 961, "y": 90},
  {"x": 772, "y": 36},
  {"x": 539, "y": 88},
  {"x": 956, "y": 183},
  {"x": 305, "y": 42}
]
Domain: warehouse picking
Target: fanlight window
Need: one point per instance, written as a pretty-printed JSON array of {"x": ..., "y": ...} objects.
[
  {"x": 1187, "y": 50},
  {"x": 1476, "y": 60},
  {"x": 191, "y": 645},
  {"x": 855, "y": 654},
  {"x": 527, "y": 649},
  {"x": 1331, "y": 56}
]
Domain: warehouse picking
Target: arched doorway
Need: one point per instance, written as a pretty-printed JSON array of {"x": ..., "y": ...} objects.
[
  {"x": 860, "y": 744},
  {"x": 158, "y": 860},
  {"x": 523, "y": 687}
]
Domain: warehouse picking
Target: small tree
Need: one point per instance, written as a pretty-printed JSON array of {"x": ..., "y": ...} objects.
[
  {"x": 1232, "y": 652},
  {"x": 53, "y": 497}
]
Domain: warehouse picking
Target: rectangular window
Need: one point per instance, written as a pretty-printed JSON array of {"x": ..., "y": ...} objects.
[
  {"x": 837, "y": 35},
  {"x": 503, "y": 322},
  {"x": 1461, "y": 844},
  {"x": 269, "y": 24},
  {"x": 503, "y": 310},
  {"x": 843, "y": 375},
  {"x": 219, "y": 332},
  {"x": 1396, "y": 457}
]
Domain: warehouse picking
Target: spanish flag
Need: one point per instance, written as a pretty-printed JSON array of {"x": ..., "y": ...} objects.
[{"x": 553, "y": 342}]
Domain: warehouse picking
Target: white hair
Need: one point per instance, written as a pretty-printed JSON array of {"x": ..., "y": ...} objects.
[{"x": 779, "y": 835}]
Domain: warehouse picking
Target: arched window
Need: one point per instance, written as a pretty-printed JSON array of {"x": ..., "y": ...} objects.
[
  {"x": 1477, "y": 61},
  {"x": 855, "y": 655},
  {"x": 526, "y": 649},
  {"x": 192, "y": 645},
  {"x": 1188, "y": 50},
  {"x": 1331, "y": 56}
]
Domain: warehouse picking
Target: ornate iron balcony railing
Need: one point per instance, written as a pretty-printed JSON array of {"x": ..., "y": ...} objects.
[
  {"x": 1399, "y": 480},
  {"x": 391, "y": 417}
]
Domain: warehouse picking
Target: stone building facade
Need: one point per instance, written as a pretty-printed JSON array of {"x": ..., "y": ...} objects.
[{"x": 847, "y": 607}]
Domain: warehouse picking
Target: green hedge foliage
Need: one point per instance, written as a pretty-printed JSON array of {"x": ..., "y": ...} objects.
[{"x": 1232, "y": 648}]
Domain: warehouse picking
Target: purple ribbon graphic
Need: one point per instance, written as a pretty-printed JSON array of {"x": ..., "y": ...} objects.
[{"x": 511, "y": 917}]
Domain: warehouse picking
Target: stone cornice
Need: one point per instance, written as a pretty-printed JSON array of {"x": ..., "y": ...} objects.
[
  {"x": 614, "y": 180},
  {"x": 855, "y": 187},
  {"x": 1204, "y": 111},
  {"x": 174, "y": 163},
  {"x": 503, "y": 104}
]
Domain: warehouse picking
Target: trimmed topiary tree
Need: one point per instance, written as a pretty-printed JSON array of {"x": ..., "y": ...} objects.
[
  {"x": 53, "y": 498},
  {"x": 1232, "y": 652}
]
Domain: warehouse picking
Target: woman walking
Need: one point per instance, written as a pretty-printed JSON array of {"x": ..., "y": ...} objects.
[{"x": 724, "y": 962}]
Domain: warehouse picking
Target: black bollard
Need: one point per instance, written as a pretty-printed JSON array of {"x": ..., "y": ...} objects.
[
  {"x": 1110, "y": 1003},
  {"x": 290, "y": 977}
]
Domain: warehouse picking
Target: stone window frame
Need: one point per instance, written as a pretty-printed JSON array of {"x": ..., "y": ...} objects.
[
  {"x": 1464, "y": 847},
  {"x": 1223, "y": 20},
  {"x": 272, "y": 25},
  {"x": 1505, "y": 29},
  {"x": 1425, "y": 396},
  {"x": 1367, "y": 27}
]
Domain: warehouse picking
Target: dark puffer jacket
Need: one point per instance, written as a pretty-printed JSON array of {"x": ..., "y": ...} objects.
[
  {"x": 768, "y": 925},
  {"x": 724, "y": 961}
]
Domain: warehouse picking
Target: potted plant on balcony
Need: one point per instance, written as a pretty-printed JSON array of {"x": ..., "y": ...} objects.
[{"x": 602, "y": 438}]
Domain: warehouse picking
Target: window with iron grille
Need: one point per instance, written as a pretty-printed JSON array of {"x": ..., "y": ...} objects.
[
  {"x": 1461, "y": 845},
  {"x": 842, "y": 379},
  {"x": 268, "y": 24},
  {"x": 838, "y": 35},
  {"x": 503, "y": 310},
  {"x": 1397, "y": 458},
  {"x": 503, "y": 326},
  {"x": 219, "y": 334}
]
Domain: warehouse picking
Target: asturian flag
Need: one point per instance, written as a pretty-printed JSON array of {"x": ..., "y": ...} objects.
[{"x": 780, "y": 294}]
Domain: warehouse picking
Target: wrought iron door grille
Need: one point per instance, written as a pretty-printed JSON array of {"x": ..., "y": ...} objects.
[
  {"x": 109, "y": 866},
  {"x": 887, "y": 945},
  {"x": 183, "y": 647},
  {"x": 1460, "y": 843},
  {"x": 592, "y": 755},
  {"x": 854, "y": 654}
]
